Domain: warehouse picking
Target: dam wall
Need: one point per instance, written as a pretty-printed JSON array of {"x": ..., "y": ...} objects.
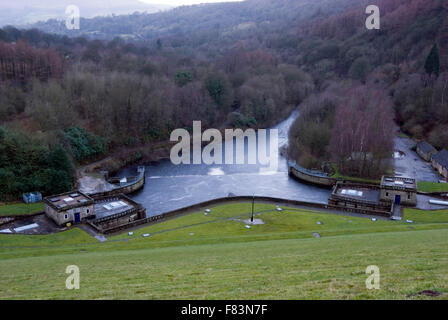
[{"x": 310, "y": 176}]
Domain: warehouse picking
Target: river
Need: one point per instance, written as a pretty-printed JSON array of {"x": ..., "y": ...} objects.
[{"x": 170, "y": 187}]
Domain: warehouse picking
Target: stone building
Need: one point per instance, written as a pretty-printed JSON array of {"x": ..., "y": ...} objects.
[
  {"x": 114, "y": 213},
  {"x": 71, "y": 207},
  {"x": 359, "y": 198},
  {"x": 425, "y": 150},
  {"x": 373, "y": 199},
  {"x": 440, "y": 163},
  {"x": 399, "y": 190}
]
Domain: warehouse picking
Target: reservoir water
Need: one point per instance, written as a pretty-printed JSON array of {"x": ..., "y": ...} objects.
[{"x": 169, "y": 187}]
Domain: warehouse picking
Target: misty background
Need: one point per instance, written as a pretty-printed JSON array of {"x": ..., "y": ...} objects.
[{"x": 23, "y": 12}]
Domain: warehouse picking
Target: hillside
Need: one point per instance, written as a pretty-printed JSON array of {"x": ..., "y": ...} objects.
[
  {"x": 369, "y": 80},
  {"x": 24, "y": 12},
  {"x": 202, "y": 23},
  {"x": 128, "y": 81},
  {"x": 212, "y": 257}
]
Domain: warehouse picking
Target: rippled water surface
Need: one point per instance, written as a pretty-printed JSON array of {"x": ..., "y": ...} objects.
[{"x": 169, "y": 187}]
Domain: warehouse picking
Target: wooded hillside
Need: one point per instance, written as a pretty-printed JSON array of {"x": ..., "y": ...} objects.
[{"x": 130, "y": 80}]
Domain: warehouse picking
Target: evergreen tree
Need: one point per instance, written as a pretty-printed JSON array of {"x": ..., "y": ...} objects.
[
  {"x": 183, "y": 77},
  {"x": 60, "y": 170},
  {"x": 432, "y": 64},
  {"x": 58, "y": 159}
]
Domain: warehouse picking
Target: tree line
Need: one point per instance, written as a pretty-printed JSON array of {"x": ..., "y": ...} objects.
[
  {"x": 85, "y": 98},
  {"x": 233, "y": 65}
]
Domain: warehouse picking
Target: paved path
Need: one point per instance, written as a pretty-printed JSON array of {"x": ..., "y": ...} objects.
[
  {"x": 43, "y": 225},
  {"x": 411, "y": 165},
  {"x": 397, "y": 215},
  {"x": 100, "y": 237},
  {"x": 423, "y": 203}
]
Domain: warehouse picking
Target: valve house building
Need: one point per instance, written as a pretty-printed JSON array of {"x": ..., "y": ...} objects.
[
  {"x": 116, "y": 213},
  {"x": 359, "y": 198},
  {"x": 372, "y": 198},
  {"x": 399, "y": 190},
  {"x": 71, "y": 207},
  {"x": 102, "y": 213}
]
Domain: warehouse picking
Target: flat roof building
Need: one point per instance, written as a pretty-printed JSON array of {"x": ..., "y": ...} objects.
[
  {"x": 359, "y": 198},
  {"x": 115, "y": 213},
  {"x": 103, "y": 213},
  {"x": 374, "y": 199},
  {"x": 69, "y": 207},
  {"x": 401, "y": 183},
  {"x": 400, "y": 190}
]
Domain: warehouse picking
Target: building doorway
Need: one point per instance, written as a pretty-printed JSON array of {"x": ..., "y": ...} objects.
[{"x": 397, "y": 200}]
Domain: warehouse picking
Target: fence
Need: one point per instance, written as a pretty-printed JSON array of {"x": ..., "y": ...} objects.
[{"x": 32, "y": 197}]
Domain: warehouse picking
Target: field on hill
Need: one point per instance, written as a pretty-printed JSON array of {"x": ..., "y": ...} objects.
[
  {"x": 217, "y": 257},
  {"x": 21, "y": 208},
  {"x": 424, "y": 186}
]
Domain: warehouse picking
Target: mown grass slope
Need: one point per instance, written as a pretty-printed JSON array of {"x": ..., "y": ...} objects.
[
  {"x": 425, "y": 186},
  {"x": 21, "y": 208},
  {"x": 211, "y": 257}
]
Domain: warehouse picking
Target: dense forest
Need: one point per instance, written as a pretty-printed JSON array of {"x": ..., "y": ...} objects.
[
  {"x": 83, "y": 98},
  {"x": 68, "y": 97},
  {"x": 367, "y": 79}
]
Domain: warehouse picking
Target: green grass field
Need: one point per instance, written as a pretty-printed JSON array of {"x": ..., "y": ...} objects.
[
  {"x": 424, "y": 186},
  {"x": 214, "y": 257},
  {"x": 21, "y": 208}
]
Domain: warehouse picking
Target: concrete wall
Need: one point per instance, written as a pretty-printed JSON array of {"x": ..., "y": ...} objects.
[
  {"x": 64, "y": 217},
  {"x": 134, "y": 187},
  {"x": 384, "y": 210},
  {"x": 323, "y": 181},
  {"x": 122, "y": 190},
  {"x": 116, "y": 223}
]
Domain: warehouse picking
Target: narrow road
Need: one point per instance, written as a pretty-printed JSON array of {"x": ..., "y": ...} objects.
[
  {"x": 410, "y": 164},
  {"x": 100, "y": 237}
]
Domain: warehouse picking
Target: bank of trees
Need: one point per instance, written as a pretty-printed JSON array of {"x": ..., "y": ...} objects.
[
  {"x": 421, "y": 107},
  {"x": 29, "y": 164},
  {"x": 242, "y": 64},
  {"x": 348, "y": 124},
  {"x": 397, "y": 73},
  {"x": 20, "y": 62},
  {"x": 111, "y": 94}
]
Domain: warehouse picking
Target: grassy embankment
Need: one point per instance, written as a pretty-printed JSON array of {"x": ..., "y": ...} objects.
[
  {"x": 424, "y": 186},
  {"x": 199, "y": 257},
  {"x": 21, "y": 208}
]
